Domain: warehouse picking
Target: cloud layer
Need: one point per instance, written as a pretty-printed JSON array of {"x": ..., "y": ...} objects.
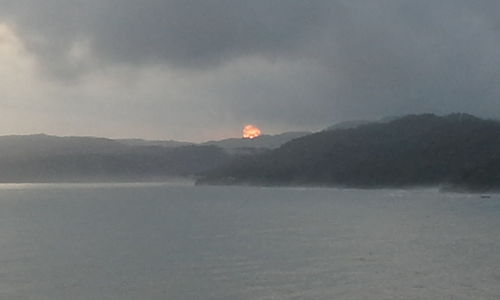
[{"x": 203, "y": 66}]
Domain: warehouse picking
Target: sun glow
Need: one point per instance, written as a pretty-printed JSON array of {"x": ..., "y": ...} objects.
[{"x": 251, "y": 132}]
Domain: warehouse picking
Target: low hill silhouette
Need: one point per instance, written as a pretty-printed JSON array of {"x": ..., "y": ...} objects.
[{"x": 44, "y": 158}]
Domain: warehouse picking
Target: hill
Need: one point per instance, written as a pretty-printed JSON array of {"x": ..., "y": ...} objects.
[
  {"x": 43, "y": 158},
  {"x": 39, "y": 145},
  {"x": 457, "y": 150},
  {"x": 236, "y": 146},
  {"x": 258, "y": 144},
  {"x": 162, "y": 143},
  {"x": 347, "y": 125}
]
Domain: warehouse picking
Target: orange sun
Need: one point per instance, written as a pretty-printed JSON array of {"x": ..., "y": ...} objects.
[{"x": 251, "y": 132}]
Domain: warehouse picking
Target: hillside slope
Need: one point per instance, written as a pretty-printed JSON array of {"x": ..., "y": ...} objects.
[
  {"x": 241, "y": 145},
  {"x": 416, "y": 150},
  {"x": 43, "y": 158}
]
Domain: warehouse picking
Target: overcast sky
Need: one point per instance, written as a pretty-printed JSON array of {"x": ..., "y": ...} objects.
[{"x": 197, "y": 70}]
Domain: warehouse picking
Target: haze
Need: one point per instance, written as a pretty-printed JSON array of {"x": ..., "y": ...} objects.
[{"x": 200, "y": 70}]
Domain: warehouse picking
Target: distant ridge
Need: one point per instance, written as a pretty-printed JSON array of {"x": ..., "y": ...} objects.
[
  {"x": 357, "y": 123},
  {"x": 36, "y": 145},
  {"x": 162, "y": 143},
  {"x": 231, "y": 145},
  {"x": 458, "y": 150},
  {"x": 261, "y": 142},
  {"x": 347, "y": 125},
  {"x": 45, "y": 158}
]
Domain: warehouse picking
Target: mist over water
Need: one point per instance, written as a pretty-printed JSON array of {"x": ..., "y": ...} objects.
[{"x": 185, "y": 242}]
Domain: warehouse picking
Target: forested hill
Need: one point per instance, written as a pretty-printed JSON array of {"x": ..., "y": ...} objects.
[
  {"x": 416, "y": 150},
  {"x": 45, "y": 158}
]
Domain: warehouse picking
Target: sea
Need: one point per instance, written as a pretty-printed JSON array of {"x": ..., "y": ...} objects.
[{"x": 179, "y": 241}]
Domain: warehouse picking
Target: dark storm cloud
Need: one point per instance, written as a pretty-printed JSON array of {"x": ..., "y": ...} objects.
[
  {"x": 343, "y": 59},
  {"x": 182, "y": 33}
]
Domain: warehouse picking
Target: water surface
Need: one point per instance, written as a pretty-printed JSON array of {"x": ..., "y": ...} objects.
[{"x": 182, "y": 242}]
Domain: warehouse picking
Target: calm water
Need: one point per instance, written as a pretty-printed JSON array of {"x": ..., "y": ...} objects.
[{"x": 184, "y": 242}]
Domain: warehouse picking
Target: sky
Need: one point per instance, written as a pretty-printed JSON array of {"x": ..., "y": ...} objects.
[{"x": 197, "y": 70}]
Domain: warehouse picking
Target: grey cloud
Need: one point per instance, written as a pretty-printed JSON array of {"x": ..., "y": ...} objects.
[
  {"x": 333, "y": 60},
  {"x": 180, "y": 33}
]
